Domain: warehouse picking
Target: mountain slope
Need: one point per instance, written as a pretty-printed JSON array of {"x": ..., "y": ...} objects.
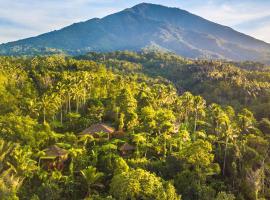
[{"x": 147, "y": 25}]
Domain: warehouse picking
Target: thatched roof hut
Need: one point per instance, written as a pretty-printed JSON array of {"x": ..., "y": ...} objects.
[
  {"x": 118, "y": 134},
  {"x": 55, "y": 151},
  {"x": 98, "y": 128},
  {"x": 54, "y": 158},
  {"x": 126, "y": 148}
]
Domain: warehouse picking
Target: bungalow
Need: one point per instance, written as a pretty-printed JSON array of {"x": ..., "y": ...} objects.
[
  {"x": 97, "y": 130},
  {"x": 126, "y": 149},
  {"x": 54, "y": 158}
]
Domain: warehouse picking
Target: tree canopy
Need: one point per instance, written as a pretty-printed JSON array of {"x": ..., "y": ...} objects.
[{"x": 180, "y": 129}]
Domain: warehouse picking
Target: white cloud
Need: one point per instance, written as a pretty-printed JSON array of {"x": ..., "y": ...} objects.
[
  {"x": 238, "y": 13},
  {"x": 231, "y": 14},
  {"x": 9, "y": 33},
  {"x": 261, "y": 33},
  {"x": 46, "y": 15}
]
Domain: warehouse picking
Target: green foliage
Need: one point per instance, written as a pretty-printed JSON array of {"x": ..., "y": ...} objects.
[
  {"x": 264, "y": 125},
  {"x": 198, "y": 154},
  {"x": 9, "y": 185},
  {"x": 140, "y": 184},
  {"x": 225, "y": 196},
  {"x": 220, "y": 82},
  {"x": 91, "y": 177},
  {"x": 176, "y": 143}
]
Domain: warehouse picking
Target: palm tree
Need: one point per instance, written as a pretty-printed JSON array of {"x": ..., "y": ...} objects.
[
  {"x": 5, "y": 149},
  {"x": 246, "y": 120},
  {"x": 49, "y": 103},
  {"x": 199, "y": 104},
  {"x": 68, "y": 85},
  {"x": 9, "y": 185},
  {"x": 85, "y": 85},
  {"x": 86, "y": 139},
  {"x": 62, "y": 99},
  {"x": 78, "y": 92},
  {"x": 187, "y": 104},
  {"x": 92, "y": 177},
  {"x": 74, "y": 153},
  {"x": 216, "y": 117},
  {"x": 224, "y": 129},
  {"x": 166, "y": 138},
  {"x": 45, "y": 103},
  {"x": 230, "y": 136},
  {"x": 182, "y": 138},
  {"x": 139, "y": 140},
  {"x": 110, "y": 148}
]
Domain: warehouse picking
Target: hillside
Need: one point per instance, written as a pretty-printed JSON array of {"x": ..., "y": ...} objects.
[
  {"x": 238, "y": 84},
  {"x": 146, "y": 25},
  {"x": 150, "y": 103},
  {"x": 104, "y": 127}
]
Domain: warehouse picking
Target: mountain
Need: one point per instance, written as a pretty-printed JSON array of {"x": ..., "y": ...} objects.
[{"x": 147, "y": 26}]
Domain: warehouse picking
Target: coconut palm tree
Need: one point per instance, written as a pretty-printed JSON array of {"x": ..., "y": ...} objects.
[
  {"x": 230, "y": 135},
  {"x": 139, "y": 140},
  {"x": 5, "y": 149},
  {"x": 92, "y": 177},
  {"x": 62, "y": 99},
  {"x": 199, "y": 109},
  {"x": 9, "y": 185},
  {"x": 44, "y": 104},
  {"x": 246, "y": 121},
  {"x": 49, "y": 103},
  {"x": 187, "y": 105}
]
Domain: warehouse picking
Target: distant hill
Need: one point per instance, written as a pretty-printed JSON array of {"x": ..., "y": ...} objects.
[{"x": 146, "y": 26}]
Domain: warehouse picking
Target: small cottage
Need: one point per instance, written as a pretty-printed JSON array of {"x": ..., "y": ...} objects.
[
  {"x": 54, "y": 158},
  {"x": 99, "y": 131},
  {"x": 126, "y": 149}
]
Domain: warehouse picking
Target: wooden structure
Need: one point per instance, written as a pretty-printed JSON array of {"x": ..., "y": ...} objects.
[
  {"x": 97, "y": 131},
  {"x": 54, "y": 158},
  {"x": 118, "y": 134},
  {"x": 126, "y": 149}
]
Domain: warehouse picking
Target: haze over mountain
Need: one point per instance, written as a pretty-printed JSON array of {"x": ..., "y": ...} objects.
[{"x": 147, "y": 25}]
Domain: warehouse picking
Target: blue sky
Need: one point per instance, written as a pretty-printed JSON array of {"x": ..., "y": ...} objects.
[{"x": 25, "y": 18}]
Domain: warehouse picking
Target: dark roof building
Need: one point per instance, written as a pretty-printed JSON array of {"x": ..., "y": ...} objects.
[
  {"x": 98, "y": 128},
  {"x": 54, "y": 158},
  {"x": 126, "y": 149},
  {"x": 55, "y": 151}
]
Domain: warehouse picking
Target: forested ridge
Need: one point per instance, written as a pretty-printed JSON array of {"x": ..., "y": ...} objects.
[
  {"x": 241, "y": 85},
  {"x": 127, "y": 125}
]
